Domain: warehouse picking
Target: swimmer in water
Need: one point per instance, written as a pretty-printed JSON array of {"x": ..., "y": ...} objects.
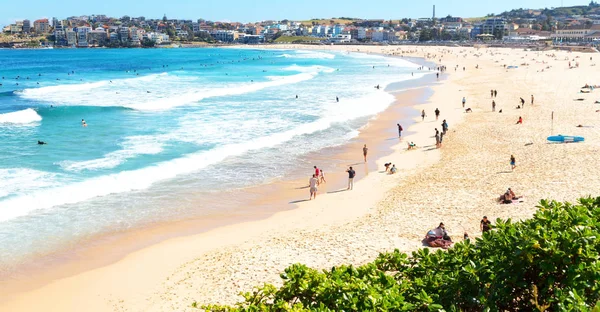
[
  {"x": 83, "y": 123},
  {"x": 41, "y": 142}
]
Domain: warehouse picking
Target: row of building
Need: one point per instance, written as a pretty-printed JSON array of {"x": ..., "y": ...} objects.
[{"x": 100, "y": 30}]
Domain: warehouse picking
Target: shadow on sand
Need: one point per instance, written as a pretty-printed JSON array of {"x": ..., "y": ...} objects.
[{"x": 299, "y": 201}]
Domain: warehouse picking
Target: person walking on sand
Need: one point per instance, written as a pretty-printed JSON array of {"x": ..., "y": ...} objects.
[
  {"x": 399, "y": 130},
  {"x": 317, "y": 171},
  {"x": 495, "y": 93},
  {"x": 322, "y": 180},
  {"x": 423, "y": 115},
  {"x": 437, "y": 114},
  {"x": 522, "y": 102},
  {"x": 312, "y": 183},
  {"x": 532, "y": 100},
  {"x": 437, "y": 138},
  {"x": 513, "y": 162},
  {"x": 491, "y": 93},
  {"x": 464, "y": 101},
  {"x": 365, "y": 150},
  {"x": 493, "y": 106},
  {"x": 351, "y": 175}
]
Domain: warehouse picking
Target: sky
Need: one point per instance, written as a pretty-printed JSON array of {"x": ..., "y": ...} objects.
[{"x": 257, "y": 10}]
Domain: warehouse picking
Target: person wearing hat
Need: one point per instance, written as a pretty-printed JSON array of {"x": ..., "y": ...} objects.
[{"x": 485, "y": 224}]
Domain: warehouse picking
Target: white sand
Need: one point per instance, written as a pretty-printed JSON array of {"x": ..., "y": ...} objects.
[{"x": 456, "y": 184}]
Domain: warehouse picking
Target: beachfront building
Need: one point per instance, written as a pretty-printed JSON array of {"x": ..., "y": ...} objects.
[
  {"x": 60, "y": 37},
  {"x": 124, "y": 34},
  {"x": 134, "y": 36},
  {"x": 320, "y": 30},
  {"x": 113, "y": 38},
  {"x": 337, "y": 29},
  {"x": 495, "y": 26},
  {"x": 250, "y": 39},
  {"x": 225, "y": 35},
  {"x": 577, "y": 34},
  {"x": 82, "y": 39},
  {"x": 341, "y": 38},
  {"x": 359, "y": 33},
  {"x": 182, "y": 34},
  {"x": 16, "y": 28},
  {"x": 26, "y": 26},
  {"x": 71, "y": 37},
  {"x": 98, "y": 37},
  {"x": 158, "y": 38},
  {"x": 41, "y": 26}
]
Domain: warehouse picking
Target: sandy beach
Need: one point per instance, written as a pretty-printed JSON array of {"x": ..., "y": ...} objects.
[{"x": 456, "y": 184}]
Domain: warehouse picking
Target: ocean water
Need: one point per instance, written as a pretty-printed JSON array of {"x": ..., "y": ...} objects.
[{"x": 163, "y": 124}]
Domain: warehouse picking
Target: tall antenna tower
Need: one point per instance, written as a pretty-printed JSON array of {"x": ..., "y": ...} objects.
[{"x": 434, "y": 11}]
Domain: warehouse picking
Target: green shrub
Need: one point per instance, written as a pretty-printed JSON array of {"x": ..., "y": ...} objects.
[{"x": 547, "y": 263}]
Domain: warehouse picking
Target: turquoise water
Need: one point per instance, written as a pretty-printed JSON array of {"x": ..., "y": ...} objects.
[{"x": 163, "y": 124}]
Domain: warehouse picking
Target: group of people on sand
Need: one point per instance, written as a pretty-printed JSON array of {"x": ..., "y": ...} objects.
[
  {"x": 509, "y": 197},
  {"x": 319, "y": 177},
  {"x": 439, "y": 237},
  {"x": 390, "y": 168}
]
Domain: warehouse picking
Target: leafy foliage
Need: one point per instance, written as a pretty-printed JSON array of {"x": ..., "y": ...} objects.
[{"x": 550, "y": 262}]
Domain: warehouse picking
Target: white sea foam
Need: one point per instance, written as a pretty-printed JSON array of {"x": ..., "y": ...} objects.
[
  {"x": 17, "y": 180},
  {"x": 164, "y": 93},
  {"x": 237, "y": 89},
  {"x": 132, "y": 146},
  {"x": 25, "y": 116},
  {"x": 314, "y": 69},
  {"x": 301, "y": 54},
  {"x": 143, "y": 178}
]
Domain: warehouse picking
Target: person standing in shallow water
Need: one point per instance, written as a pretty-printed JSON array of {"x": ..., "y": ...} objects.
[
  {"x": 365, "y": 150},
  {"x": 399, "y": 130}
]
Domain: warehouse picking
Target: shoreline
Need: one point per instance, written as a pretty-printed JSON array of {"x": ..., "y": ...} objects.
[
  {"x": 108, "y": 248},
  {"x": 456, "y": 184}
]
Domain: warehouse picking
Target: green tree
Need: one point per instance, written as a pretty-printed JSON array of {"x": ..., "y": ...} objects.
[
  {"x": 425, "y": 35},
  {"x": 147, "y": 43}
]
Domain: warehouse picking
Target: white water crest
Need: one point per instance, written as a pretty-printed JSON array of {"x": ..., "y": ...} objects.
[{"x": 25, "y": 116}]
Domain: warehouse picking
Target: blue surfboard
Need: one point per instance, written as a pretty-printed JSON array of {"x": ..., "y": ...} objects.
[{"x": 565, "y": 138}]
